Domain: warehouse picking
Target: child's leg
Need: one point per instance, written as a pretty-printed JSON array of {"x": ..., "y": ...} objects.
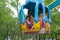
[
  {"x": 28, "y": 26},
  {"x": 32, "y": 27}
]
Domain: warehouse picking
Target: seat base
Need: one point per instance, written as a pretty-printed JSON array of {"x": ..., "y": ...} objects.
[{"x": 32, "y": 32}]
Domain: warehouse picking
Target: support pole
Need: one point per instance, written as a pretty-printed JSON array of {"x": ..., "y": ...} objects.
[
  {"x": 36, "y": 12},
  {"x": 22, "y": 15},
  {"x": 43, "y": 10}
]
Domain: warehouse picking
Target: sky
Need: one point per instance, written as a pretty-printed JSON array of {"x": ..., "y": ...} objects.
[
  {"x": 22, "y": 1},
  {"x": 14, "y": 10},
  {"x": 59, "y": 10}
]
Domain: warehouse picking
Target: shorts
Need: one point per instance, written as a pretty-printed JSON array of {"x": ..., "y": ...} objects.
[{"x": 29, "y": 26}]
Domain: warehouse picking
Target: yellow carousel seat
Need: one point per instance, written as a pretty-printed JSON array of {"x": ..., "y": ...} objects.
[
  {"x": 36, "y": 28},
  {"x": 48, "y": 27}
]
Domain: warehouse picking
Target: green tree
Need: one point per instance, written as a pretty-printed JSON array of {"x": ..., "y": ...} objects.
[
  {"x": 10, "y": 26},
  {"x": 47, "y": 2}
]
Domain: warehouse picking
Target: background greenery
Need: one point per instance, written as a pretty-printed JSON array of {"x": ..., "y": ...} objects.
[{"x": 10, "y": 26}]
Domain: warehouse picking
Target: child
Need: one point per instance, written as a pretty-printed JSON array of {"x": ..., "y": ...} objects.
[
  {"x": 42, "y": 23},
  {"x": 29, "y": 22},
  {"x": 32, "y": 22},
  {"x": 40, "y": 17}
]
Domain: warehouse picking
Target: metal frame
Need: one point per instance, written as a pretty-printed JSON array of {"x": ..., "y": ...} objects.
[{"x": 36, "y": 10}]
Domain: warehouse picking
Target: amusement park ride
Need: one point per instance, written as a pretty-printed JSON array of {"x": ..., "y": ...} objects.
[{"x": 35, "y": 6}]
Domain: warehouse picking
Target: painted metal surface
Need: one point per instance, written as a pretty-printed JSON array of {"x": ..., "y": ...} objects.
[
  {"x": 54, "y": 4},
  {"x": 36, "y": 4},
  {"x": 36, "y": 12},
  {"x": 22, "y": 15}
]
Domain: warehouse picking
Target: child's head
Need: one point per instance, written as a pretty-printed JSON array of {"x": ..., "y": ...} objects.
[
  {"x": 31, "y": 18},
  {"x": 40, "y": 15},
  {"x": 27, "y": 17}
]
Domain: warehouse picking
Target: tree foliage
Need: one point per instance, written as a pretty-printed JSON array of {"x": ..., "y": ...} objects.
[
  {"x": 10, "y": 26},
  {"x": 47, "y": 2}
]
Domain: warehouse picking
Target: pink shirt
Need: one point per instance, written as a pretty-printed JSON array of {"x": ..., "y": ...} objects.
[{"x": 27, "y": 21}]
